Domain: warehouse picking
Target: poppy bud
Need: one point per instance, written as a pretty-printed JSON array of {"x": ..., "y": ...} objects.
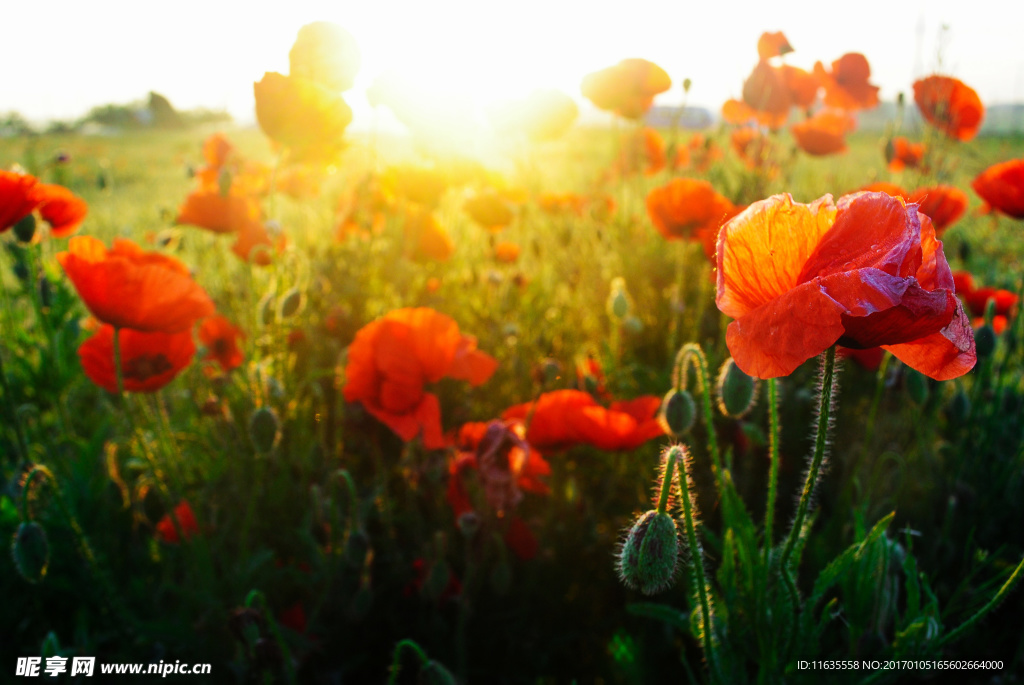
[
  {"x": 959, "y": 408},
  {"x": 917, "y": 386},
  {"x": 985, "y": 341},
  {"x": 266, "y": 309},
  {"x": 736, "y": 390},
  {"x": 263, "y": 427},
  {"x": 469, "y": 524},
  {"x": 25, "y": 229},
  {"x": 31, "y": 551},
  {"x": 678, "y": 412},
  {"x": 649, "y": 557},
  {"x": 291, "y": 303},
  {"x": 687, "y": 83},
  {"x": 618, "y": 301},
  {"x": 433, "y": 673}
]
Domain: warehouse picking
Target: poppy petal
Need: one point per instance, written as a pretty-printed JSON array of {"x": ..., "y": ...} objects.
[{"x": 950, "y": 353}]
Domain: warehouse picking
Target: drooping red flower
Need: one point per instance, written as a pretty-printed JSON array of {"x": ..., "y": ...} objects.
[
  {"x": 1001, "y": 186},
  {"x": 128, "y": 287},
  {"x": 221, "y": 337},
  {"x": 149, "y": 361},
  {"x": 773, "y": 45},
  {"x": 22, "y": 194},
  {"x": 824, "y": 133},
  {"x": 628, "y": 88},
  {"x": 949, "y": 105},
  {"x": 393, "y": 358},
  {"x": 901, "y": 154},
  {"x": 944, "y": 205},
  {"x": 566, "y": 418},
  {"x": 846, "y": 86},
  {"x": 166, "y": 531},
  {"x": 684, "y": 207},
  {"x": 869, "y": 272}
]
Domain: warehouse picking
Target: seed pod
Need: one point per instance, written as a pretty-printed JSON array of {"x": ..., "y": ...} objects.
[
  {"x": 985, "y": 341},
  {"x": 649, "y": 557},
  {"x": 263, "y": 428},
  {"x": 959, "y": 408},
  {"x": 291, "y": 303},
  {"x": 31, "y": 551},
  {"x": 433, "y": 673},
  {"x": 25, "y": 229},
  {"x": 678, "y": 412},
  {"x": 736, "y": 390},
  {"x": 266, "y": 309},
  {"x": 917, "y": 386},
  {"x": 618, "y": 304}
]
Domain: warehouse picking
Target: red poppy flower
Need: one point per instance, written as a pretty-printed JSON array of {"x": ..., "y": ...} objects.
[
  {"x": 506, "y": 252},
  {"x": 566, "y": 418},
  {"x": 1002, "y": 187},
  {"x": 149, "y": 361},
  {"x": 824, "y": 133},
  {"x": 944, "y": 205},
  {"x": 802, "y": 85},
  {"x": 21, "y": 194},
  {"x": 128, "y": 287},
  {"x": 218, "y": 212},
  {"x": 165, "y": 529},
  {"x": 773, "y": 45},
  {"x": 221, "y": 337},
  {"x": 683, "y": 207},
  {"x": 977, "y": 301},
  {"x": 901, "y": 154},
  {"x": 628, "y": 88},
  {"x": 301, "y": 115},
  {"x": 521, "y": 540},
  {"x": 216, "y": 149},
  {"x": 869, "y": 358},
  {"x": 999, "y": 323},
  {"x": 765, "y": 92},
  {"x": 800, "y": 278},
  {"x": 949, "y": 105},
  {"x": 393, "y": 358},
  {"x": 254, "y": 243},
  {"x": 846, "y": 86}
]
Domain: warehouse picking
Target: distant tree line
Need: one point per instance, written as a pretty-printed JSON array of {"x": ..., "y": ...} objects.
[{"x": 154, "y": 112}]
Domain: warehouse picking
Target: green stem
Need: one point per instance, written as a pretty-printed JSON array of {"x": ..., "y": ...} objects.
[
  {"x": 1005, "y": 590},
  {"x": 821, "y": 440},
  {"x": 697, "y": 557},
  {"x": 773, "y": 473},
  {"x": 691, "y": 354},
  {"x": 666, "y": 481},
  {"x": 396, "y": 658}
]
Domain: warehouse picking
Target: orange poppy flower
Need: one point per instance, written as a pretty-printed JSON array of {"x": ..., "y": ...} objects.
[
  {"x": 628, "y": 88},
  {"x": 869, "y": 272},
  {"x": 765, "y": 91},
  {"x": 506, "y": 252},
  {"x": 949, "y": 105},
  {"x": 643, "y": 151},
  {"x": 565, "y": 418},
  {"x": 901, "y": 154},
  {"x": 1001, "y": 186},
  {"x": 684, "y": 206},
  {"x": 887, "y": 188},
  {"x": 490, "y": 210},
  {"x": 393, "y": 358},
  {"x": 773, "y": 45},
  {"x": 165, "y": 529},
  {"x": 824, "y": 133},
  {"x": 149, "y": 361},
  {"x": 254, "y": 243},
  {"x": 22, "y": 194},
  {"x": 221, "y": 337},
  {"x": 301, "y": 115},
  {"x": 944, "y": 205},
  {"x": 326, "y": 54},
  {"x": 802, "y": 85},
  {"x": 217, "y": 212},
  {"x": 128, "y": 287},
  {"x": 846, "y": 86},
  {"x": 425, "y": 238},
  {"x": 216, "y": 150},
  {"x": 752, "y": 147}
]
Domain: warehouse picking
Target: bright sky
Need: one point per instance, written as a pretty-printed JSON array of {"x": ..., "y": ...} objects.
[{"x": 64, "y": 56}]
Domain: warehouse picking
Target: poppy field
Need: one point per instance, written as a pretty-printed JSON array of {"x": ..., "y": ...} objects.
[{"x": 612, "y": 403}]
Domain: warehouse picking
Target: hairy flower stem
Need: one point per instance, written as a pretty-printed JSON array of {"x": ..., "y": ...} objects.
[
  {"x": 773, "y": 473},
  {"x": 696, "y": 557},
  {"x": 821, "y": 440},
  {"x": 666, "y": 482},
  {"x": 691, "y": 354},
  {"x": 396, "y": 658}
]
